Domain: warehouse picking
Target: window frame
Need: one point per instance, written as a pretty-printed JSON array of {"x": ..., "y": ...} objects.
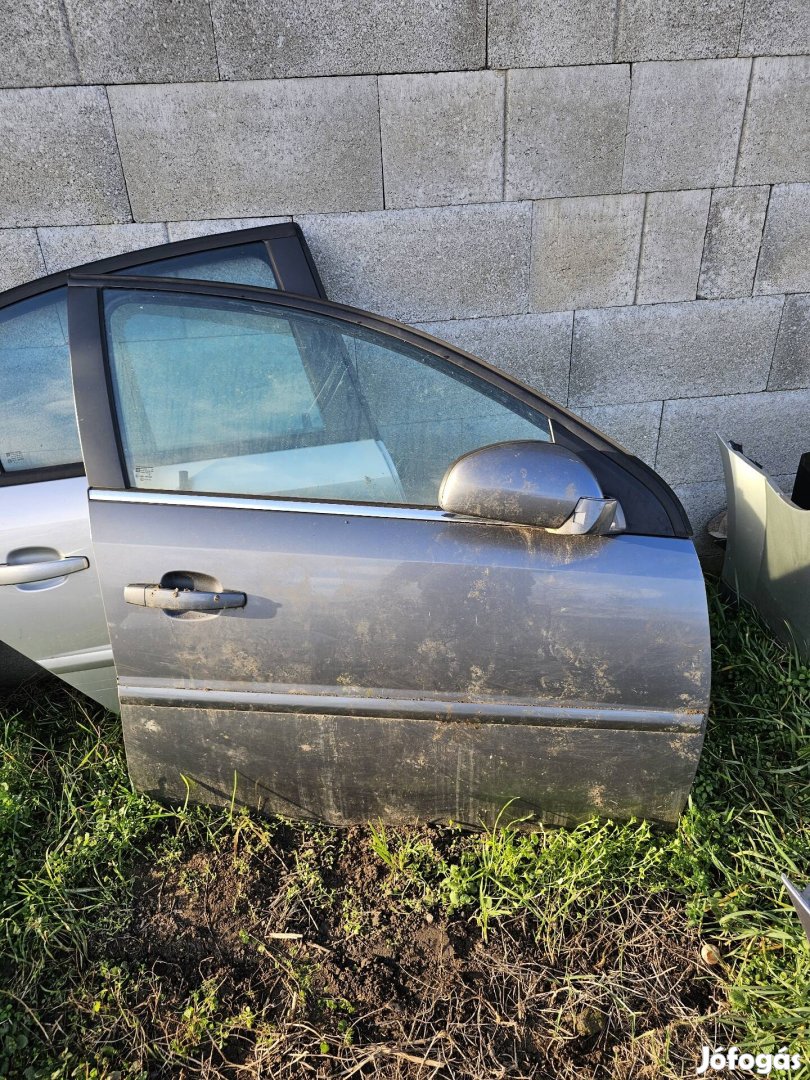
[
  {"x": 651, "y": 507},
  {"x": 290, "y": 260}
]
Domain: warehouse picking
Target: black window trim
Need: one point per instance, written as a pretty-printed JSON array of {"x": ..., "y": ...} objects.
[
  {"x": 290, "y": 260},
  {"x": 650, "y": 506}
]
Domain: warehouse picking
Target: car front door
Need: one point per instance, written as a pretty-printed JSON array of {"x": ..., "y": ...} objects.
[
  {"x": 50, "y": 605},
  {"x": 297, "y": 625}
]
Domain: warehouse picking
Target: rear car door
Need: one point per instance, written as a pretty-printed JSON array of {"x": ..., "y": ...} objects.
[
  {"x": 50, "y": 605},
  {"x": 297, "y": 625}
]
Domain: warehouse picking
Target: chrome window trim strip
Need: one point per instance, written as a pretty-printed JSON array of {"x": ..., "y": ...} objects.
[{"x": 291, "y": 506}]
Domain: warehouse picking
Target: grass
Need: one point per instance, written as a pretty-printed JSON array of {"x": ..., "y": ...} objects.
[{"x": 575, "y": 929}]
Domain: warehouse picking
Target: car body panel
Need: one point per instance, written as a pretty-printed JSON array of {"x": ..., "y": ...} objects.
[
  {"x": 473, "y": 663},
  {"x": 394, "y": 659},
  {"x": 767, "y": 560},
  {"x": 512, "y": 611}
]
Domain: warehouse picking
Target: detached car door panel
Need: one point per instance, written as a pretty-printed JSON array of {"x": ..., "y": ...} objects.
[
  {"x": 297, "y": 623},
  {"x": 51, "y": 611}
]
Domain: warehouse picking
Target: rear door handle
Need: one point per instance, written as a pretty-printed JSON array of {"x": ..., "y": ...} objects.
[
  {"x": 155, "y": 596},
  {"x": 25, "y": 573}
]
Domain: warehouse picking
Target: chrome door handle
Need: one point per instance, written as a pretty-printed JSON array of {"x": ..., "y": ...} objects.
[
  {"x": 29, "y": 572},
  {"x": 155, "y": 596}
]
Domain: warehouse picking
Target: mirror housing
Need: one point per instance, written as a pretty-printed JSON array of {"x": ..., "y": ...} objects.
[{"x": 528, "y": 482}]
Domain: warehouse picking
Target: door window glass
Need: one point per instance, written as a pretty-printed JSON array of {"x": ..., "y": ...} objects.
[
  {"x": 428, "y": 412},
  {"x": 37, "y": 421},
  {"x": 231, "y": 397}
]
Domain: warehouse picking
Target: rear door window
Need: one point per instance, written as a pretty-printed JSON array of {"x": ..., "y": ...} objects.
[
  {"x": 37, "y": 420},
  {"x": 244, "y": 264}
]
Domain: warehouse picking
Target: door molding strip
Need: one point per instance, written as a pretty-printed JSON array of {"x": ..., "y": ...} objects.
[
  {"x": 83, "y": 660},
  {"x": 494, "y": 712}
]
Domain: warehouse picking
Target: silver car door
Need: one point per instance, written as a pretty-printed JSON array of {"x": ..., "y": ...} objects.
[
  {"x": 50, "y": 606},
  {"x": 295, "y": 622}
]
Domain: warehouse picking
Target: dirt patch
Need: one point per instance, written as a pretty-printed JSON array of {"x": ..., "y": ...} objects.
[{"x": 295, "y": 960}]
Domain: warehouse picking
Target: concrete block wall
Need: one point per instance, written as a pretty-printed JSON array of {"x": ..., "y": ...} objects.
[{"x": 608, "y": 198}]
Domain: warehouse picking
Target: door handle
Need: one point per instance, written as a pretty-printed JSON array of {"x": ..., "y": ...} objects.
[
  {"x": 25, "y": 573},
  {"x": 155, "y": 596}
]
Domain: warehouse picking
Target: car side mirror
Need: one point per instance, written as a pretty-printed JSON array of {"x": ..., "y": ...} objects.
[{"x": 530, "y": 483}]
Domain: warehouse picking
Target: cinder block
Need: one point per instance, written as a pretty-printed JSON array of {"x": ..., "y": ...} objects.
[
  {"x": 733, "y": 237},
  {"x": 566, "y": 130},
  {"x": 546, "y": 33},
  {"x": 59, "y": 161},
  {"x": 775, "y": 146},
  {"x": 187, "y": 230},
  {"x": 775, "y": 29},
  {"x": 35, "y": 45},
  {"x": 347, "y": 37},
  {"x": 248, "y": 149},
  {"x": 791, "y": 360},
  {"x": 71, "y": 246},
  {"x": 684, "y": 124},
  {"x": 585, "y": 251},
  {"x": 418, "y": 265},
  {"x": 536, "y": 349},
  {"x": 673, "y": 350},
  {"x": 677, "y": 29},
  {"x": 635, "y": 426},
  {"x": 120, "y": 42},
  {"x": 20, "y": 257},
  {"x": 784, "y": 263},
  {"x": 772, "y": 428},
  {"x": 442, "y": 138},
  {"x": 672, "y": 245}
]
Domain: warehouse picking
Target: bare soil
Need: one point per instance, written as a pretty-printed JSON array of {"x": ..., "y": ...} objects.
[{"x": 302, "y": 964}]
